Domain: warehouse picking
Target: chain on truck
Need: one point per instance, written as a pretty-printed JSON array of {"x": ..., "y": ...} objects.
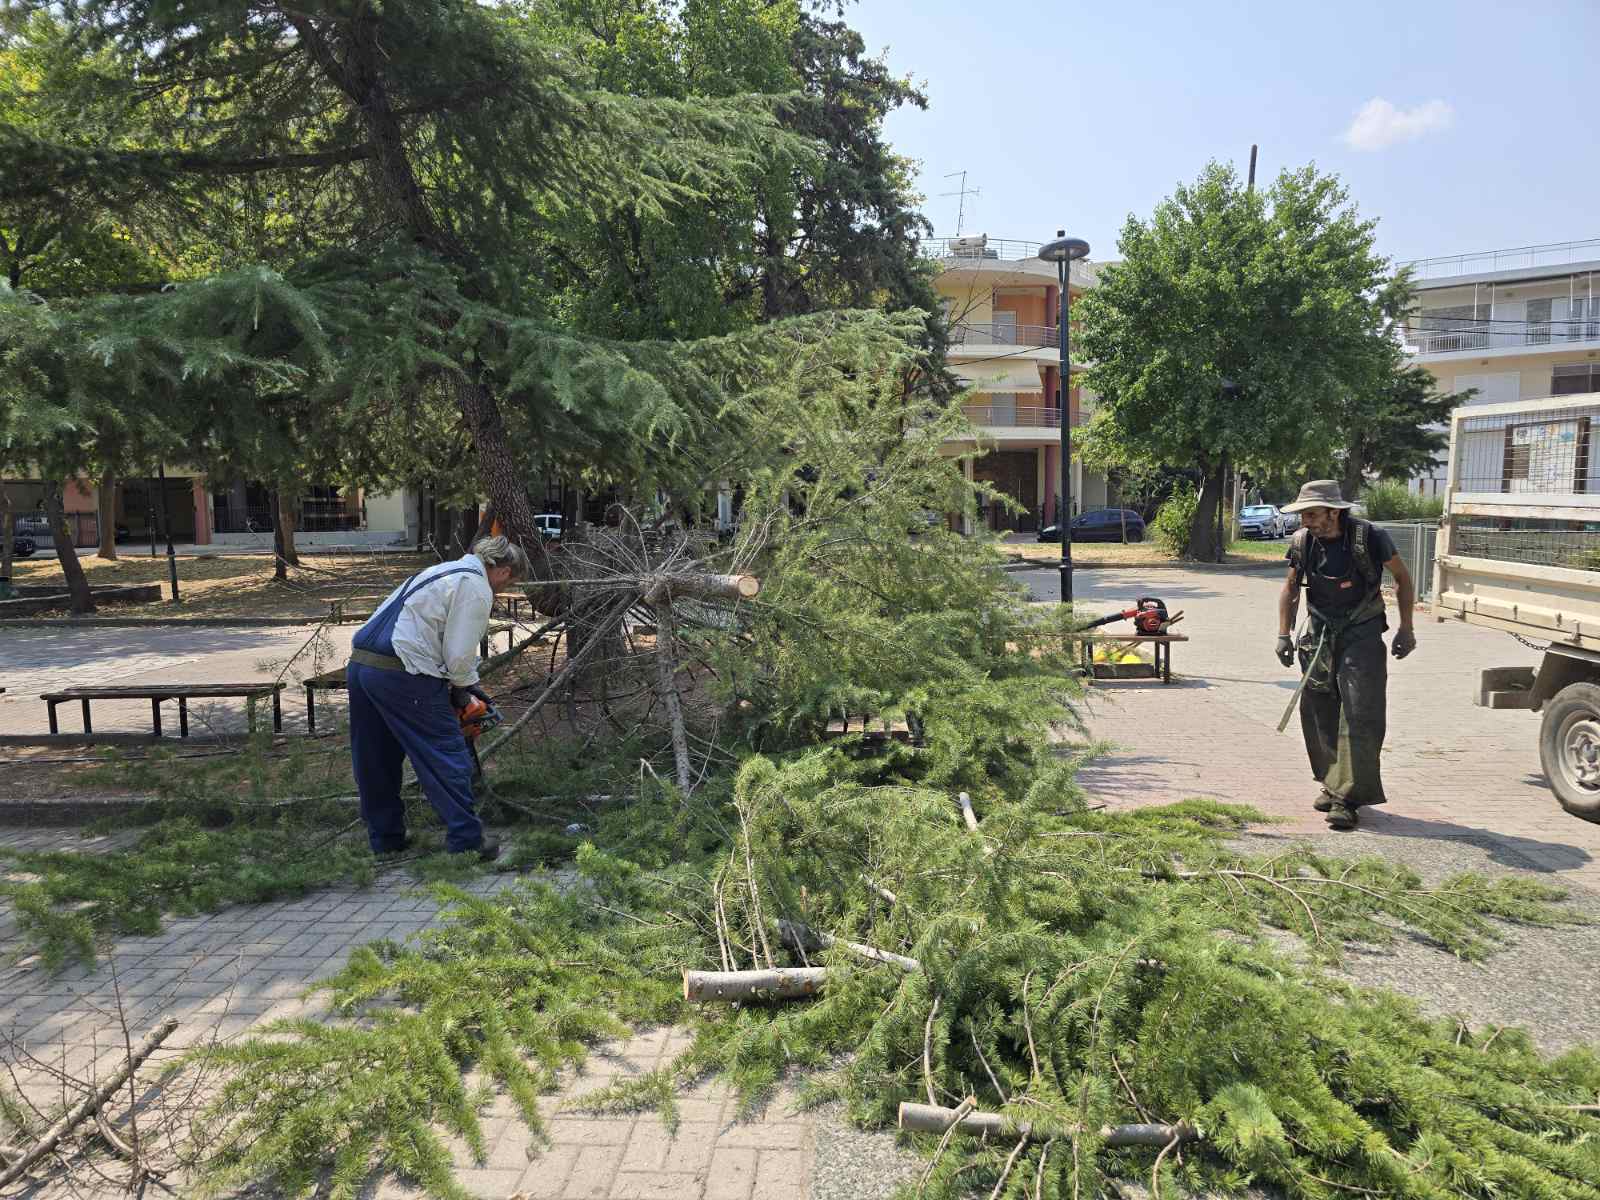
[{"x": 1519, "y": 551}]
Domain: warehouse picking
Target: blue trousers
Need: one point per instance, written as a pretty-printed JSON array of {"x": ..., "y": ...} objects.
[{"x": 395, "y": 715}]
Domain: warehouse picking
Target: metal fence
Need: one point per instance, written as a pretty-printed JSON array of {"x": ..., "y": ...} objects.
[
  {"x": 1443, "y": 335},
  {"x": 1543, "y": 451},
  {"x": 1512, "y": 259},
  {"x": 1524, "y": 540},
  {"x": 1017, "y": 416},
  {"x": 978, "y": 333},
  {"x": 1416, "y": 542},
  {"x": 84, "y": 526}
]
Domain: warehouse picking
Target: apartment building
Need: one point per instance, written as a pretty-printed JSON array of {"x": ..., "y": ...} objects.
[
  {"x": 1514, "y": 324},
  {"x": 1000, "y": 302}
]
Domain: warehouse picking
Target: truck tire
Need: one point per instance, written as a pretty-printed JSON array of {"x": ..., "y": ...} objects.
[{"x": 1569, "y": 749}]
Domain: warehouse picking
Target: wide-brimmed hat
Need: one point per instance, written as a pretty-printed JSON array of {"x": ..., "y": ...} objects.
[{"x": 1319, "y": 493}]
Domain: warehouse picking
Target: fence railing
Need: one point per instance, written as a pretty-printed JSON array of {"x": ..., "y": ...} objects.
[
  {"x": 1416, "y": 542},
  {"x": 1443, "y": 335},
  {"x": 978, "y": 333},
  {"x": 84, "y": 527},
  {"x": 1512, "y": 259},
  {"x": 1001, "y": 249},
  {"x": 1017, "y": 416},
  {"x": 316, "y": 516}
]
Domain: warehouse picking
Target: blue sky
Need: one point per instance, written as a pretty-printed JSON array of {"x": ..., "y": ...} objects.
[{"x": 1479, "y": 123}]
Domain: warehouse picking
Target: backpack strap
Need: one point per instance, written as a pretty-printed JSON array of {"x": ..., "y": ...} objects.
[
  {"x": 1361, "y": 551},
  {"x": 1297, "y": 554}
]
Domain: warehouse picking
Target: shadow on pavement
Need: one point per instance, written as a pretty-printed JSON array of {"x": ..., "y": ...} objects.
[{"x": 1506, "y": 849}]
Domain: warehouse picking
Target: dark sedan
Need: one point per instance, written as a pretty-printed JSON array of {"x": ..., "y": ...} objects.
[{"x": 1100, "y": 525}]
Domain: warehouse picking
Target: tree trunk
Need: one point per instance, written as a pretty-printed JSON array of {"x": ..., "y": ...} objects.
[
  {"x": 284, "y": 522},
  {"x": 8, "y": 534},
  {"x": 107, "y": 505},
  {"x": 1354, "y": 473},
  {"x": 1204, "y": 545},
  {"x": 77, "y": 582}
]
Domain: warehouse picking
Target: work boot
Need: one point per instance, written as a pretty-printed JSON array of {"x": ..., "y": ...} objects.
[
  {"x": 487, "y": 850},
  {"x": 1323, "y": 802},
  {"x": 1341, "y": 816},
  {"x": 405, "y": 844}
]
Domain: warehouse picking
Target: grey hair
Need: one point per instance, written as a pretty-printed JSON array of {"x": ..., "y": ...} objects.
[{"x": 500, "y": 551}]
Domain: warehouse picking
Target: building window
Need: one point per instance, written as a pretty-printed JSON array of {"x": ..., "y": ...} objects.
[{"x": 1574, "y": 379}]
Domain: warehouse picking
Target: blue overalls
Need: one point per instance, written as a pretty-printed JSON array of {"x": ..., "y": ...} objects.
[{"x": 395, "y": 715}]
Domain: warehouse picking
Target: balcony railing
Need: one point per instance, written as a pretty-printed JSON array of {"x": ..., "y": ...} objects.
[
  {"x": 996, "y": 249},
  {"x": 1019, "y": 416},
  {"x": 969, "y": 333},
  {"x": 1445, "y": 335},
  {"x": 1513, "y": 259}
]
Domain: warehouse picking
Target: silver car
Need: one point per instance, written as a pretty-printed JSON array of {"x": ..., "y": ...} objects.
[{"x": 1260, "y": 521}]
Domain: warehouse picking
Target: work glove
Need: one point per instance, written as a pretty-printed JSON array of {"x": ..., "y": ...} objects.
[
  {"x": 1404, "y": 643},
  {"x": 1286, "y": 649},
  {"x": 460, "y": 697}
]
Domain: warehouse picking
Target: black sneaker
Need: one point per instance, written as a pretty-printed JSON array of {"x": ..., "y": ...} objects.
[{"x": 1341, "y": 816}]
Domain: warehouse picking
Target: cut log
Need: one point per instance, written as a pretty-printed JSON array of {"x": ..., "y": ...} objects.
[
  {"x": 714, "y": 587},
  {"x": 805, "y": 937},
  {"x": 970, "y": 817},
  {"x": 933, "y": 1118},
  {"x": 89, "y": 1105},
  {"x": 775, "y": 983}
]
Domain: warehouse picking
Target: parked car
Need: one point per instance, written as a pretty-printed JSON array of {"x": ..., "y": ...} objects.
[
  {"x": 549, "y": 526},
  {"x": 1100, "y": 525},
  {"x": 22, "y": 547},
  {"x": 1260, "y": 521},
  {"x": 1291, "y": 521},
  {"x": 34, "y": 525}
]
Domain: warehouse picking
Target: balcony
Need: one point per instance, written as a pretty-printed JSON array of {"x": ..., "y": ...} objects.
[
  {"x": 1017, "y": 416},
  {"x": 969, "y": 333},
  {"x": 981, "y": 247},
  {"x": 1452, "y": 335},
  {"x": 1517, "y": 258}
]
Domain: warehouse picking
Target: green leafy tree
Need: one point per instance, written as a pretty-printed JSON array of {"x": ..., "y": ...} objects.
[{"x": 1275, "y": 293}]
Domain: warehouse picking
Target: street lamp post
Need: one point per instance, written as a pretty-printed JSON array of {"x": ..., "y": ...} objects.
[{"x": 1064, "y": 251}]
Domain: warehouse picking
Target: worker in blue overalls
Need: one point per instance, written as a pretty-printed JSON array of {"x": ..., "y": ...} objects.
[{"x": 412, "y": 666}]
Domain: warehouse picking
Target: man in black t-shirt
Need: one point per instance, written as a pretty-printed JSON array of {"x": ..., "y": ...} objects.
[{"x": 1339, "y": 560}]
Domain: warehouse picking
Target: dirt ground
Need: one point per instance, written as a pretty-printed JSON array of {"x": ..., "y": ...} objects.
[{"x": 236, "y": 585}]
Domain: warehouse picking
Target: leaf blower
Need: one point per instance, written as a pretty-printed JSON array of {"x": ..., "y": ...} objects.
[{"x": 1148, "y": 614}]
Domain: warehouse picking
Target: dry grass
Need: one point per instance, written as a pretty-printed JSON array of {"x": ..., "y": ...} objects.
[
  {"x": 1138, "y": 554},
  {"x": 236, "y": 585}
]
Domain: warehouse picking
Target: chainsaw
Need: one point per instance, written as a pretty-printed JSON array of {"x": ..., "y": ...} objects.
[
  {"x": 476, "y": 717},
  {"x": 1148, "y": 614}
]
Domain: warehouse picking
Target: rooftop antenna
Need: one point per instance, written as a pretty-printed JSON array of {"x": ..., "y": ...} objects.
[{"x": 964, "y": 192}]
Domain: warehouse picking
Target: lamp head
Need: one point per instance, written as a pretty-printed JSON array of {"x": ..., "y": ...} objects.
[{"x": 1064, "y": 249}]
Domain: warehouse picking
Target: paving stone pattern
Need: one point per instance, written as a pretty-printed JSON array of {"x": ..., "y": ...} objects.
[
  {"x": 1452, "y": 771},
  {"x": 220, "y": 975}
]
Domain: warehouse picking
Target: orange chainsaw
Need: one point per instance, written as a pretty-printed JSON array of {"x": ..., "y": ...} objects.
[{"x": 477, "y": 716}]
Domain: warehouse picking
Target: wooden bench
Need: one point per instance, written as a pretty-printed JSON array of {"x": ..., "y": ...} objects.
[
  {"x": 1162, "y": 667},
  {"x": 181, "y": 692}
]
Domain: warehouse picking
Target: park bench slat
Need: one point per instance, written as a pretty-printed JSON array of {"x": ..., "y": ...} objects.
[{"x": 156, "y": 693}]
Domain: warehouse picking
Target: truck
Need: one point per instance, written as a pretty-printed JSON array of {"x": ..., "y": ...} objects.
[{"x": 1519, "y": 551}]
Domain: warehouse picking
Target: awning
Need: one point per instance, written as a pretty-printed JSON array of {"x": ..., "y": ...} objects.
[{"x": 1002, "y": 376}]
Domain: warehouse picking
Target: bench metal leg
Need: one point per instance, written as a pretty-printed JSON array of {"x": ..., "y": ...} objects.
[
  {"x": 1166, "y": 661},
  {"x": 155, "y": 714},
  {"x": 311, "y": 709},
  {"x": 277, "y": 710},
  {"x": 51, "y": 705},
  {"x": 87, "y": 727},
  {"x": 183, "y": 716}
]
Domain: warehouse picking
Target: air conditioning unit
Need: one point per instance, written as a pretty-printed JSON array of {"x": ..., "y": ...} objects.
[{"x": 969, "y": 247}]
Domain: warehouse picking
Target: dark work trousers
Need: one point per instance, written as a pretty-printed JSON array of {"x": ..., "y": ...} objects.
[
  {"x": 395, "y": 715},
  {"x": 1344, "y": 726}
]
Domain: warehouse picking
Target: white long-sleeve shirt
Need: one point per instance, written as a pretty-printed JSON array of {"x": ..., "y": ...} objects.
[{"x": 441, "y": 626}]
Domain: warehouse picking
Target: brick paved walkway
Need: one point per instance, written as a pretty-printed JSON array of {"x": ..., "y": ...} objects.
[
  {"x": 219, "y": 975},
  {"x": 1452, "y": 770},
  {"x": 43, "y": 660}
]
